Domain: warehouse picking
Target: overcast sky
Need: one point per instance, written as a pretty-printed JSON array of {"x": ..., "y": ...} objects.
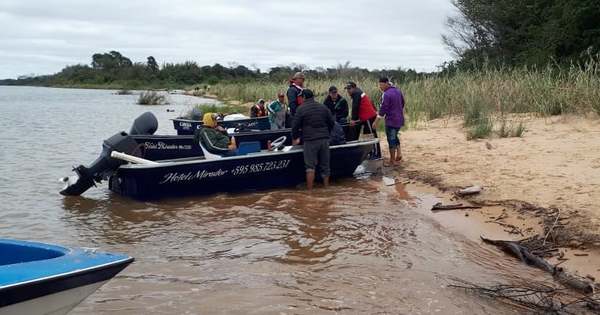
[{"x": 42, "y": 36}]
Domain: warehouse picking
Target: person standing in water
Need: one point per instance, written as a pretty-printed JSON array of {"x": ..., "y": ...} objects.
[
  {"x": 294, "y": 92},
  {"x": 314, "y": 122}
]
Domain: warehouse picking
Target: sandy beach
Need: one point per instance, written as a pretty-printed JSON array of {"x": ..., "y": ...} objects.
[{"x": 547, "y": 180}]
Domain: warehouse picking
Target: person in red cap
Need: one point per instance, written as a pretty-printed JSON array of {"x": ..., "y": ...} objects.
[
  {"x": 259, "y": 109},
  {"x": 294, "y": 92}
]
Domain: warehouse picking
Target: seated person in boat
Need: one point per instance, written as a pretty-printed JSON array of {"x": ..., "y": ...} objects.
[
  {"x": 259, "y": 109},
  {"x": 217, "y": 135}
]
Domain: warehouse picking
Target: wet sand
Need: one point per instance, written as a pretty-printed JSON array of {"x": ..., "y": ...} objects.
[{"x": 553, "y": 171}]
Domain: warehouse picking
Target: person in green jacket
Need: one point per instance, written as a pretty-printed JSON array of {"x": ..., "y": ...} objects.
[
  {"x": 215, "y": 134},
  {"x": 277, "y": 112}
]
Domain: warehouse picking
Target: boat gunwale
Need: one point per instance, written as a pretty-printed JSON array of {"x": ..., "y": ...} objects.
[
  {"x": 235, "y": 134},
  {"x": 198, "y": 121},
  {"x": 73, "y": 273},
  {"x": 240, "y": 157}
]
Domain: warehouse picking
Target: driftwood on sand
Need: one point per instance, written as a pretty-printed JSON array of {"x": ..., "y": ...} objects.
[
  {"x": 473, "y": 190},
  {"x": 459, "y": 206},
  {"x": 514, "y": 248},
  {"x": 535, "y": 296}
]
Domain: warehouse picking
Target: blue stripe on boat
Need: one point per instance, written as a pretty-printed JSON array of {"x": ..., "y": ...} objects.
[{"x": 29, "y": 269}]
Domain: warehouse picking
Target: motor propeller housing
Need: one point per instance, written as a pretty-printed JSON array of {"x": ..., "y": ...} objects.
[{"x": 86, "y": 176}]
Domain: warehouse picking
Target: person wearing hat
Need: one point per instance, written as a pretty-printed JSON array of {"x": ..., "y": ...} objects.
[
  {"x": 217, "y": 135},
  {"x": 258, "y": 110},
  {"x": 337, "y": 105},
  {"x": 392, "y": 110},
  {"x": 294, "y": 92},
  {"x": 277, "y": 112},
  {"x": 314, "y": 122},
  {"x": 363, "y": 110}
]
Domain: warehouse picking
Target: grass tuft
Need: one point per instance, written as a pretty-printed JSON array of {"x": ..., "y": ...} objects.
[
  {"x": 152, "y": 98},
  {"x": 480, "y": 130}
]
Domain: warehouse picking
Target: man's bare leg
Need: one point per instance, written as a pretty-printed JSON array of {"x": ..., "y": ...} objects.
[
  {"x": 392, "y": 157},
  {"x": 310, "y": 179},
  {"x": 326, "y": 181},
  {"x": 399, "y": 154}
]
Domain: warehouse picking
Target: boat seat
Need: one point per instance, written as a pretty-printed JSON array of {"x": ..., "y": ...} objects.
[
  {"x": 248, "y": 147},
  {"x": 207, "y": 154},
  {"x": 211, "y": 151}
]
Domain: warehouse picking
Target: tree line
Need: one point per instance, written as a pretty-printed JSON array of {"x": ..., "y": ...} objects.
[
  {"x": 533, "y": 33},
  {"x": 115, "y": 70}
]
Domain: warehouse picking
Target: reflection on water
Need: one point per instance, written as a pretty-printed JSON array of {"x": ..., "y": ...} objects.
[{"x": 358, "y": 247}]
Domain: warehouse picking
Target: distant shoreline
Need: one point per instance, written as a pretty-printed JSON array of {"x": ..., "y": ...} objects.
[{"x": 97, "y": 87}]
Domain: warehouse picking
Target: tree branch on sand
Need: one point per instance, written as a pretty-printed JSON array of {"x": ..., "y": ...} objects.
[
  {"x": 562, "y": 276},
  {"x": 535, "y": 296}
]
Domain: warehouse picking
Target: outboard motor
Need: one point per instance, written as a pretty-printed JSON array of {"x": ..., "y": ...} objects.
[
  {"x": 145, "y": 124},
  {"x": 104, "y": 165},
  {"x": 196, "y": 114}
]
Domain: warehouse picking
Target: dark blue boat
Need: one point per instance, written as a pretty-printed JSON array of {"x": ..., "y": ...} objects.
[
  {"x": 140, "y": 142},
  {"x": 186, "y": 126},
  {"x": 37, "y": 278},
  {"x": 254, "y": 171}
]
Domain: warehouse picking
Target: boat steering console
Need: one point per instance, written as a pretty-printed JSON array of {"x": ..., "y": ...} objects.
[{"x": 278, "y": 143}]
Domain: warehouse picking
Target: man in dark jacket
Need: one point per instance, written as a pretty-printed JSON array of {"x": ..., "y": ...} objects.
[
  {"x": 314, "y": 121},
  {"x": 337, "y": 105},
  {"x": 294, "y": 92}
]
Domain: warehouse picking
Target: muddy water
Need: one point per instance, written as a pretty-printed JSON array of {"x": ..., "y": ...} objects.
[{"x": 359, "y": 247}]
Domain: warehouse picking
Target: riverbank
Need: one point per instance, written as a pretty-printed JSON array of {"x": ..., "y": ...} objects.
[
  {"x": 546, "y": 182},
  {"x": 107, "y": 86}
]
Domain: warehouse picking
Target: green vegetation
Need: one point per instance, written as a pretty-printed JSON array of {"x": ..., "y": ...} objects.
[
  {"x": 220, "y": 108},
  {"x": 114, "y": 71},
  {"x": 523, "y": 32},
  {"x": 472, "y": 94},
  {"x": 151, "y": 98}
]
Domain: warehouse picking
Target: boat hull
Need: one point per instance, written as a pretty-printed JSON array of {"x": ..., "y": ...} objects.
[
  {"x": 233, "y": 174},
  {"x": 55, "y": 304},
  {"x": 188, "y": 126},
  {"x": 37, "y": 278}
]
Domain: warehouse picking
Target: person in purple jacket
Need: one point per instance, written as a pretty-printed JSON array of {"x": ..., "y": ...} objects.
[{"x": 392, "y": 109}]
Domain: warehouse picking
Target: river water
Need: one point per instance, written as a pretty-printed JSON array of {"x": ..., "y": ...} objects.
[{"x": 358, "y": 247}]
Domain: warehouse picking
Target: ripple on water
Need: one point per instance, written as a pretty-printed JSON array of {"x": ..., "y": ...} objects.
[{"x": 343, "y": 249}]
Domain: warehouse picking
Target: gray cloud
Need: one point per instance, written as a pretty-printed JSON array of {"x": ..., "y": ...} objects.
[{"x": 43, "y": 36}]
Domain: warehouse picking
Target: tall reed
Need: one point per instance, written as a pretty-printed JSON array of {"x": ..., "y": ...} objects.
[{"x": 486, "y": 93}]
